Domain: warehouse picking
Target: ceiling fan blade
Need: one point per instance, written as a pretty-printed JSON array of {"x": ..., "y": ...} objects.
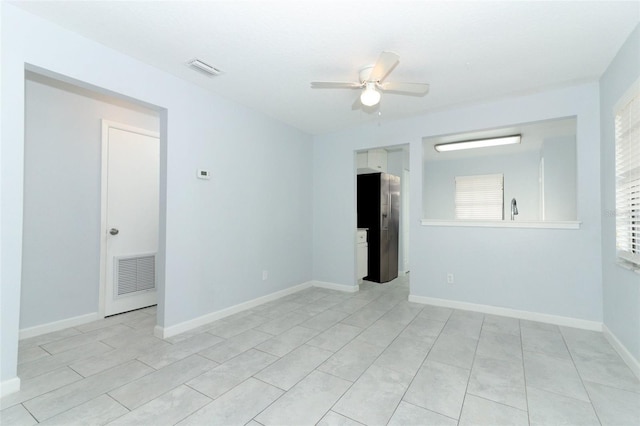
[
  {"x": 412, "y": 88},
  {"x": 334, "y": 85},
  {"x": 386, "y": 62}
]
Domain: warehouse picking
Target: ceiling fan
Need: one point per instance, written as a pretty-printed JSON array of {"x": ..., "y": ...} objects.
[{"x": 370, "y": 79}]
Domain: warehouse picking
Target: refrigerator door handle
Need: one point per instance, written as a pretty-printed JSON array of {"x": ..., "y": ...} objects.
[{"x": 384, "y": 223}]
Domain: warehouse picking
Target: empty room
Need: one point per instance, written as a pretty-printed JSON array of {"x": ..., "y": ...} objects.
[{"x": 320, "y": 213}]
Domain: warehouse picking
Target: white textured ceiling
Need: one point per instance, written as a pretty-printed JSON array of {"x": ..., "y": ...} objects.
[{"x": 271, "y": 50}]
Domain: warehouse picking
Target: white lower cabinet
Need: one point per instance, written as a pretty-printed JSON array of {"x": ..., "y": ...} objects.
[{"x": 362, "y": 255}]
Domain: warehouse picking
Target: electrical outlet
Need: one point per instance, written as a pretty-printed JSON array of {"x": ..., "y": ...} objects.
[
  {"x": 449, "y": 278},
  {"x": 265, "y": 275}
]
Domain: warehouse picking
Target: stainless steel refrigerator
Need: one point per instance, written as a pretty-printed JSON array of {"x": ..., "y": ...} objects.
[{"x": 379, "y": 211}]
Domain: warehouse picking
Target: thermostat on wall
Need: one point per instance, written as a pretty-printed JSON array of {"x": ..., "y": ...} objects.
[{"x": 203, "y": 174}]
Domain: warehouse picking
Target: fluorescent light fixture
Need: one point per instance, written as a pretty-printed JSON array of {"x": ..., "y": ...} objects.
[
  {"x": 203, "y": 66},
  {"x": 370, "y": 96},
  {"x": 478, "y": 143}
]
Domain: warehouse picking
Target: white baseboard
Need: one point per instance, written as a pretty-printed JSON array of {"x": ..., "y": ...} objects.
[
  {"x": 629, "y": 359},
  {"x": 166, "y": 332},
  {"x": 507, "y": 312},
  {"x": 334, "y": 286},
  {"x": 159, "y": 332},
  {"x": 25, "y": 333},
  {"x": 9, "y": 386}
]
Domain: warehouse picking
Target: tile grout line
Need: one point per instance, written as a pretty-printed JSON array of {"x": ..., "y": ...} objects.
[
  {"x": 524, "y": 372},
  {"x": 466, "y": 389},
  {"x": 351, "y": 385},
  {"x": 417, "y": 370},
  {"x": 497, "y": 402},
  {"x": 573, "y": 362},
  {"x": 279, "y": 357},
  {"x": 112, "y": 389},
  {"x": 315, "y": 369},
  {"x": 379, "y": 297},
  {"x": 284, "y": 392},
  {"x": 159, "y": 396},
  {"x": 119, "y": 403},
  {"x": 27, "y": 410}
]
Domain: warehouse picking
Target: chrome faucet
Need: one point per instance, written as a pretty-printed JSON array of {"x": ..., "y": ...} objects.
[{"x": 514, "y": 208}]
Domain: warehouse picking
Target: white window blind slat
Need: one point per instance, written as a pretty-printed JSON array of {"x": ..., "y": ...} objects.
[
  {"x": 627, "y": 127},
  {"x": 479, "y": 197}
]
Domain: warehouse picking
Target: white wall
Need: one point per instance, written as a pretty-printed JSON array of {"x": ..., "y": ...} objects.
[
  {"x": 520, "y": 172},
  {"x": 61, "y": 237},
  {"x": 621, "y": 286},
  {"x": 548, "y": 271},
  {"x": 216, "y": 236},
  {"x": 559, "y": 178}
]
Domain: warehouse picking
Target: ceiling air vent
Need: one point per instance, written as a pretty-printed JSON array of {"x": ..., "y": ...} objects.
[{"x": 204, "y": 67}]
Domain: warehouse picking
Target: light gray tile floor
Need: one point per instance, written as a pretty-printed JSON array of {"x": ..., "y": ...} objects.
[{"x": 328, "y": 358}]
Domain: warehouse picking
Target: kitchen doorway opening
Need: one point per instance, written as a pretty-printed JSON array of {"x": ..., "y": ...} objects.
[{"x": 382, "y": 177}]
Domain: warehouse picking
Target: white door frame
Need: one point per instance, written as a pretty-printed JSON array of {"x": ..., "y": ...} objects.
[
  {"x": 405, "y": 221},
  {"x": 106, "y": 125}
]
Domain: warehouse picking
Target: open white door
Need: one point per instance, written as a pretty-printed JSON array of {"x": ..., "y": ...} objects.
[{"x": 130, "y": 188}]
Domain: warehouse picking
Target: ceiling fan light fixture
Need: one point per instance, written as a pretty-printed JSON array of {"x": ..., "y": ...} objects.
[
  {"x": 370, "y": 96},
  {"x": 371, "y": 79}
]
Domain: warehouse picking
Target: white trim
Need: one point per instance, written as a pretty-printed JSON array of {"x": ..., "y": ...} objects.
[
  {"x": 166, "y": 332},
  {"x": 629, "y": 266},
  {"x": 508, "y": 312},
  {"x": 627, "y": 96},
  {"x": 9, "y": 386},
  {"x": 569, "y": 224},
  {"x": 632, "y": 260},
  {"x": 334, "y": 286},
  {"x": 38, "y": 330},
  {"x": 103, "y": 218},
  {"x": 543, "y": 212},
  {"x": 629, "y": 359}
]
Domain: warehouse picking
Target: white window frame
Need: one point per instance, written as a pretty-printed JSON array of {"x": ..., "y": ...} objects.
[
  {"x": 627, "y": 168},
  {"x": 479, "y": 197}
]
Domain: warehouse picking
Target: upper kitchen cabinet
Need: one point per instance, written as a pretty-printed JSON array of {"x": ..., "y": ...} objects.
[{"x": 372, "y": 161}]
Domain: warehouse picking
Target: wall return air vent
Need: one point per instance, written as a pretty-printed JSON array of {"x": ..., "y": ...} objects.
[
  {"x": 135, "y": 274},
  {"x": 204, "y": 67}
]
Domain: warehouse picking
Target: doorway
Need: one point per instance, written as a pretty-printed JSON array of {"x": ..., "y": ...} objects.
[
  {"x": 62, "y": 198},
  {"x": 393, "y": 160}
]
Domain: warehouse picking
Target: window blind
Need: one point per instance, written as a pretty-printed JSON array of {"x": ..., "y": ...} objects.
[
  {"x": 627, "y": 125},
  {"x": 479, "y": 197}
]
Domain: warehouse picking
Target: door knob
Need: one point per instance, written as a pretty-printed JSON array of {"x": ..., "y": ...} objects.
[{"x": 113, "y": 231}]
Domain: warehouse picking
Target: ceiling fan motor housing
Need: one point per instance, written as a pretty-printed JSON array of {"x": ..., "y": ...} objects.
[{"x": 365, "y": 73}]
